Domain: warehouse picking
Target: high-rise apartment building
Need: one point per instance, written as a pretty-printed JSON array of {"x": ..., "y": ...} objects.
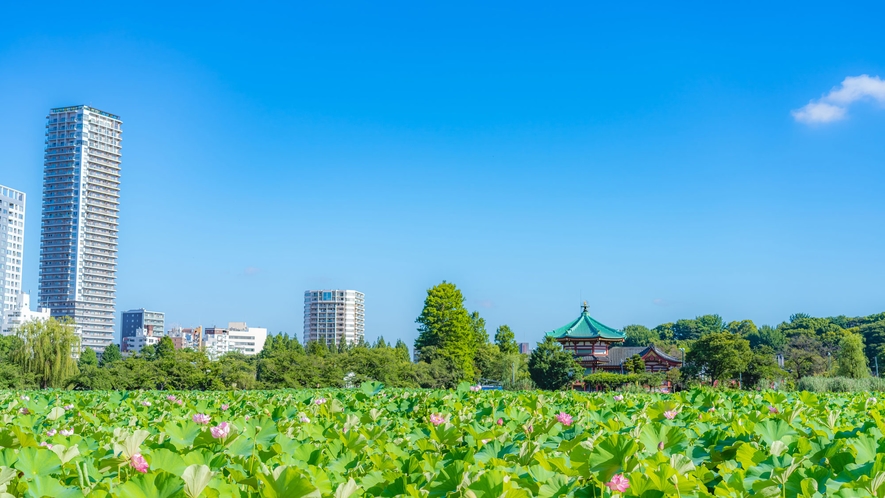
[
  {"x": 12, "y": 240},
  {"x": 334, "y": 316},
  {"x": 150, "y": 323},
  {"x": 81, "y": 200}
]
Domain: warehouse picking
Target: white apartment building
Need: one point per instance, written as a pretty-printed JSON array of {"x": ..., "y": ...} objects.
[
  {"x": 81, "y": 200},
  {"x": 143, "y": 337},
  {"x": 216, "y": 342},
  {"x": 334, "y": 316},
  {"x": 153, "y": 322},
  {"x": 12, "y": 241},
  {"x": 22, "y": 314},
  {"x": 247, "y": 340}
]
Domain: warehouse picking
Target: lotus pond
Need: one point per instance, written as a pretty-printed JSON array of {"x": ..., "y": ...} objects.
[{"x": 389, "y": 442}]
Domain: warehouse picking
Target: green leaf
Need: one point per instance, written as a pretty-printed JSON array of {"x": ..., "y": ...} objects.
[
  {"x": 182, "y": 435},
  {"x": 34, "y": 462},
  {"x": 159, "y": 485},
  {"x": 65, "y": 454},
  {"x": 867, "y": 448},
  {"x": 196, "y": 478},
  {"x": 166, "y": 460},
  {"x": 371, "y": 388},
  {"x": 41, "y": 486},
  {"x": 287, "y": 482},
  {"x": 56, "y": 413},
  {"x": 774, "y": 430}
]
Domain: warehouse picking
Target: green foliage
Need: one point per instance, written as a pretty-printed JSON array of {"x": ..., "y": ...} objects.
[
  {"x": 88, "y": 358},
  {"x": 640, "y": 336},
  {"x": 802, "y": 356},
  {"x": 553, "y": 368},
  {"x": 634, "y": 364},
  {"x": 45, "y": 349},
  {"x": 608, "y": 381},
  {"x": 505, "y": 339},
  {"x": 768, "y": 336},
  {"x": 717, "y": 356},
  {"x": 762, "y": 366},
  {"x": 742, "y": 327},
  {"x": 110, "y": 355},
  {"x": 446, "y": 330},
  {"x": 850, "y": 360},
  {"x": 689, "y": 330}
]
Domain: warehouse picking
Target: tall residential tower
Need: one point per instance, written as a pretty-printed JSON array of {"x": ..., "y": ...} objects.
[
  {"x": 81, "y": 199},
  {"x": 12, "y": 236},
  {"x": 334, "y": 316}
]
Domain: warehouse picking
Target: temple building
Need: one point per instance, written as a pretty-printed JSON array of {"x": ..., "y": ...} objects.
[{"x": 598, "y": 348}]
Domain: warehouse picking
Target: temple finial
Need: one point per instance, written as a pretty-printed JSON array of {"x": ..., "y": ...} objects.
[{"x": 585, "y": 306}]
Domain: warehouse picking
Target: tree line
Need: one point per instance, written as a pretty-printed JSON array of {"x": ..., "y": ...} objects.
[{"x": 453, "y": 346}]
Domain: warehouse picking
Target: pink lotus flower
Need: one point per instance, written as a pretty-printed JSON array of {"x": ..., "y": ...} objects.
[
  {"x": 529, "y": 428},
  {"x": 51, "y": 432},
  {"x": 145, "y": 403},
  {"x": 67, "y": 432},
  {"x": 437, "y": 419},
  {"x": 500, "y": 421},
  {"x": 618, "y": 483},
  {"x": 319, "y": 401},
  {"x": 220, "y": 431},
  {"x": 171, "y": 397},
  {"x": 247, "y": 418},
  {"x": 476, "y": 388},
  {"x": 773, "y": 409},
  {"x": 564, "y": 419},
  {"x": 24, "y": 411},
  {"x": 180, "y": 402},
  {"x": 304, "y": 419},
  {"x": 661, "y": 446},
  {"x": 201, "y": 418},
  {"x": 139, "y": 463},
  {"x": 68, "y": 407},
  {"x": 670, "y": 414},
  {"x": 619, "y": 398},
  {"x": 46, "y": 445},
  {"x": 26, "y": 398},
  {"x": 224, "y": 407}
]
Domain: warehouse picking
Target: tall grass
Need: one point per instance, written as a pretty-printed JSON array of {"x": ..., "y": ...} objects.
[{"x": 839, "y": 384}]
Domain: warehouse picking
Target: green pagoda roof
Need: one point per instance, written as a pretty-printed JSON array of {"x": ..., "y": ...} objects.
[{"x": 585, "y": 327}]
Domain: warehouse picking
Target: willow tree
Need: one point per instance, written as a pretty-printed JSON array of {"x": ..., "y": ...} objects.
[{"x": 46, "y": 350}]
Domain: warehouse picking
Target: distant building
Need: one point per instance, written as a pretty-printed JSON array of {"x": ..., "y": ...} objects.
[
  {"x": 22, "y": 314},
  {"x": 81, "y": 200},
  {"x": 12, "y": 240},
  {"x": 334, "y": 316},
  {"x": 143, "y": 337},
  {"x": 184, "y": 338},
  {"x": 246, "y": 340},
  {"x": 141, "y": 319},
  {"x": 524, "y": 348},
  {"x": 216, "y": 342}
]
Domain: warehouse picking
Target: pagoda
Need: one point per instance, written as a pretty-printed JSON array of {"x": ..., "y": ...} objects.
[{"x": 588, "y": 340}]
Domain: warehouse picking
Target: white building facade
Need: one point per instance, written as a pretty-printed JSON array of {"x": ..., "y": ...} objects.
[
  {"x": 81, "y": 199},
  {"x": 334, "y": 316},
  {"x": 12, "y": 242},
  {"x": 247, "y": 340},
  {"x": 132, "y": 321},
  {"x": 143, "y": 337},
  {"x": 22, "y": 314}
]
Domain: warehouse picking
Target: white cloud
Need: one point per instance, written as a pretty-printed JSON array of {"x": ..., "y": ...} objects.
[{"x": 834, "y": 105}]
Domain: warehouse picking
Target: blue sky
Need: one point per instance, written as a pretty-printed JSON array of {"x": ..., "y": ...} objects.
[{"x": 650, "y": 159}]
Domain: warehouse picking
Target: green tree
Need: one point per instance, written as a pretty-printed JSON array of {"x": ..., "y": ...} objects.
[
  {"x": 485, "y": 361},
  {"x": 165, "y": 348},
  {"x": 717, "y": 356},
  {"x": 666, "y": 331},
  {"x": 45, "y": 351},
  {"x": 110, "y": 355},
  {"x": 874, "y": 337},
  {"x": 88, "y": 358},
  {"x": 743, "y": 328},
  {"x": 402, "y": 350},
  {"x": 478, "y": 327},
  {"x": 639, "y": 336},
  {"x": 802, "y": 356},
  {"x": 553, "y": 368},
  {"x": 506, "y": 340},
  {"x": 634, "y": 364},
  {"x": 762, "y": 366},
  {"x": 768, "y": 336},
  {"x": 445, "y": 330},
  {"x": 850, "y": 360},
  {"x": 380, "y": 343}
]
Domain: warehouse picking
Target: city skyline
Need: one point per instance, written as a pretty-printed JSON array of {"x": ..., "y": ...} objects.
[{"x": 646, "y": 163}]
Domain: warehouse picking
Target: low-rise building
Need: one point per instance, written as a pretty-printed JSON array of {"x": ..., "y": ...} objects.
[
  {"x": 21, "y": 313},
  {"x": 246, "y": 340},
  {"x": 133, "y": 320},
  {"x": 143, "y": 337}
]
